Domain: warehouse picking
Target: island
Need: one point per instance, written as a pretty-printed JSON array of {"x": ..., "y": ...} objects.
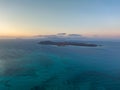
[{"x": 67, "y": 43}]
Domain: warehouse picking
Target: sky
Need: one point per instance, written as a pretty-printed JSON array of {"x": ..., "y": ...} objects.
[{"x": 100, "y": 18}]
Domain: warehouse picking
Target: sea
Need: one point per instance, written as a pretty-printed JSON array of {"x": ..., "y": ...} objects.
[{"x": 27, "y": 65}]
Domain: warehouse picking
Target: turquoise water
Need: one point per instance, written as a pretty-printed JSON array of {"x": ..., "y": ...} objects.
[{"x": 26, "y": 65}]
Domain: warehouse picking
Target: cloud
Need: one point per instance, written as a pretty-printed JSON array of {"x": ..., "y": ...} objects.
[
  {"x": 62, "y": 36},
  {"x": 75, "y": 35},
  {"x": 61, "y": 33}
]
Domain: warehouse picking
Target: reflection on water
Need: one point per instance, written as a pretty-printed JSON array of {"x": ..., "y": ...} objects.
[{"x": 25, "y": 65}]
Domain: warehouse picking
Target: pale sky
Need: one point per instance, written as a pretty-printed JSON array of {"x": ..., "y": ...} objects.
[{"x": 35, "y": 17}]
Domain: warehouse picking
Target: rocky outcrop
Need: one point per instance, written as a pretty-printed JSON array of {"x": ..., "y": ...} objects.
[{"x": 67, "y": 43}]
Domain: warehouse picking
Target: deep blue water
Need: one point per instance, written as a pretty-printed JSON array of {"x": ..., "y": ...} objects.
[{"x": 26, "y": 65}]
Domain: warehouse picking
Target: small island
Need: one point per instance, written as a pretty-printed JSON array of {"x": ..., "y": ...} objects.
[{"x": 68, "y": 43}]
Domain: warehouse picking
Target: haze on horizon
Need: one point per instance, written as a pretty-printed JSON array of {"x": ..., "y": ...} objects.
[{"x": 40, "y": 17}]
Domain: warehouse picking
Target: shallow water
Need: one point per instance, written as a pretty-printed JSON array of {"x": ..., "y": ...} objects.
[{"x": 26, "y": 65}]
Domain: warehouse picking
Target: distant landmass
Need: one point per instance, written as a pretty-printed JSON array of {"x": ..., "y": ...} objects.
[{"x": 68, "y": 43}]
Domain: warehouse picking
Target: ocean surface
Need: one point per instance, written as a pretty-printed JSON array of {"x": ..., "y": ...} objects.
[{"x": 26, "y": 65}]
